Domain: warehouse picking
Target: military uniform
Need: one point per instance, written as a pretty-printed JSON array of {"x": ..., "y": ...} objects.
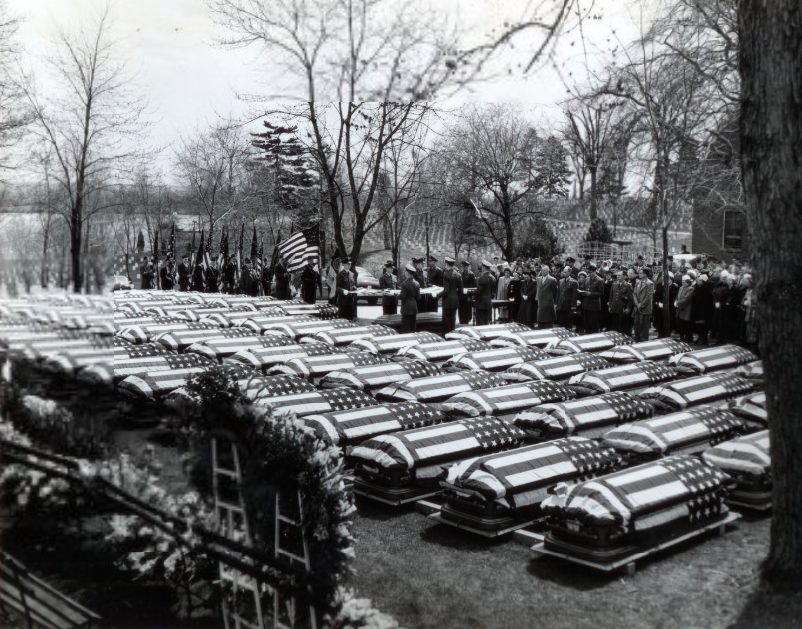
[
  {"x": 389, "y": 302},
  {"x": 344, "y": 301},
  {"x": 309, "y": 284},
  {"x": 466, "y": 301},
  {"x": 452, "y": 289},
  {"x": 410, "y": 291},
  {"x": 485, "y": 289},
  {"x": 166, "y": 275},
  {"x": 183, "y": 276}
]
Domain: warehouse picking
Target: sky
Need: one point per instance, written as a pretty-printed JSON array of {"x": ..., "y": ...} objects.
[{"x": 189, "y": 81}]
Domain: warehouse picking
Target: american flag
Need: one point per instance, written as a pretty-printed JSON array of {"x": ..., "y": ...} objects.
[
  {"x": 129, "y": 360},
  {"x": 486, "y": 332},
  {"x": 171, "y": 246},
  {"x": 256, "y": 386},
  {"x": 657, "y": 349},
  {"x": 299, "y": 247},
  {"x": 443, "y": 350},
  {"x": 533, "y": 338},
  {"x": 352, "y": 426},
  {"x": 266, "y": 357},
  {"x": 439, "y": 388},
  {"x": 622, "y": 377},
  {"x": 315, "y": 367},
  {"x": 159, "y": 382},
  {"x": 179, "y": 340},
  {"x": 506, "y": 400},
  {"x": 750, "y": 371},
  {"x": 713, "y": 358},
  {"x": 347, "y": 335},
  {"x": 312, "y": 402},
  {"x": 497, "y": 358},
  {"x": 75, "y": 359},
  {"x": 672, "y": 491},
  {"x": 752, "y": 408},
  {"x": 747, "y": 455},
  {"x": 223, "y": 347},
  {"x": 559, "y": 368},
  {"x": 426, "y": 447},
  {"x": 143, "y": 333},
  {"x": 39, "y": 348},
  {"x": 522, "y": 477},
  {"x": 394, "y": 344},
  {"x": 589, "y": 343},
  {"x": 589, "y": 417},
  {"x": 684, "y": 432},
  {"x": 371, "y": 377},
  {"x": 674, "y": 396},
  {"x": 296, "y": 329},
  {"x": 196, "y": 313}
]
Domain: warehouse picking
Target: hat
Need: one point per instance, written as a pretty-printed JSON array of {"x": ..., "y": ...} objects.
[
  {"x": 686, "y": 278},
  {"x": 388, "y": 263},
  {"x": 431, "y": 259},
  {"x": 592, "y": 266},
  {"x": 345, "y": 260},
  {"x": 410, "y": 267},
  {"x": 466, "y": 263},
  {"x": 692, "y": 274},
  {"x": 570, "y": 259},
  {"x": 417, "y": 260},
  {"x": 703, "y": 277},
  {"x": 583, "y": 273},
  {"x": 450, "y": 260},
  {"x": 486, "y": 264}
]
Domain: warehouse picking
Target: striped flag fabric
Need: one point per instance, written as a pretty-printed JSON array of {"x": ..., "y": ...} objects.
[
  {"x": 713, "y": 359},
  {"x": 421, "y": 451},
  {"x": 748, "y": 455},
  {"x": 439, "y": 388},
  {"x": 656, "y": 349},
  {"x": 395, "y": 343},
  {"x": 496, "y": 359},
  {"x": 348, "y": 427},
  {"x": 370, "y": 377},
  {"x": 752, "y": 408},
  {"x": 587, "y": 417},
  {"x": 684, "y": 432},
  {"x": 598, "y": 342},
  {"x": 347, "y": 334},
  {"x": 157, "y": 383},
  {"x": 680, "y": 394},
  {"x": 523, "y": 476},
  {"x": 264, "y": 358},
  {"x": 316, "y": 367},
  {"x": 148, "y": 332},
  {"x": 486, "y": 332},
  {"x": 219, "y": 348},
  {"x": 299, "y": 247},
  {"x": 127, "y": 360},
  {"x": 196, "y": 313},
  {"x": 296, "y": 329},
  {"x": 171, "y": 246},
  {"x": 506, "y": 401},
  {"x": 441, "y": 351},
  {"x": 533, "y": 338},
  {"x": 658, "y": 496},
  {"x": 750, "y": 371},
  {"x": 622, "y": 378},
  {"x": 314, "y": 402},
  {"x": 181, "y": 339},
  {"x": 558, "y": 368}
]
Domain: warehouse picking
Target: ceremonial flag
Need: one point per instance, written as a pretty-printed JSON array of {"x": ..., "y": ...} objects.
[
  {"x": 300, "y": 246},
  {"x": 156, "y": 258},
  {"x": 224, "y": 244},
  {"x": 200, "y": 257},
  {"x": 207, "y": 254},
  {"x": 171, "y": 249},
  {"x": 254, "y": 244}
]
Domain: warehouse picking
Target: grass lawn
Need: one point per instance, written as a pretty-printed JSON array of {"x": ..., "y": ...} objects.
[{"x": 430, "y": 575}]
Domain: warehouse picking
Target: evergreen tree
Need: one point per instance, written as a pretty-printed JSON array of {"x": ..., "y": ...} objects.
[
  {"x": 552, "y": 166},
  {"x": 598, "y": 232}
]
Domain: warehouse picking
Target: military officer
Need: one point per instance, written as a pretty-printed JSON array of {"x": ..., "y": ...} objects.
[
  {"x": 452, "y": 289},
  {"x": 410, "y": 291},
  {"x": 466, "y": 300},
  {"x": 485, "y": 289}
]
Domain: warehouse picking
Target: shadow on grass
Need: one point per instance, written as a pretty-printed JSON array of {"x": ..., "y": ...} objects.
[
  {"x": 452, "y": 537},
  {"x": 373, "y": 510},
  {"x": 569, "y": 575},
  {"x": 765, "y": 609}
]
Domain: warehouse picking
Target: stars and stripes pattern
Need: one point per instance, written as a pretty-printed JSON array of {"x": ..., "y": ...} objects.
[
  {"x": 317, "y": 401},
  {"x": 369, "y": 377},
  {"x": 156, "y": 383},
  {"x": 313, "y": 367},
  {"x": 395, "y": 343},
  {"x": 677, "y": 489},
  {"x": 588, "y": 417},
  {"x": 297, "y": 329},
  {"x": 681, "y": 394},
  {"x": 523, "y": 476},
  {"x": 751, "y": 408},
  {"x": 747, "y": 455},
  {"x": 750, "y": 371},
  {"x": 414, "y": 449},
  {"x": 506, "y": 400},
  {"x": 148, "y": 332},
  {"x": 299, "y": 247},
  {"x": 558, "y": 368},
  {"x": 352, "y": 426},
  {"x": 622, "y": 377},
  {"x": 497, "y": 358},
  {"x": 657, "y": 349},
  {"x": 684, "y": 432},
  {"x": 347, "y": 334},
  {"x": 221, "y": 347},
  {"x": 713, "y": 358},
  {"x": 598, "y": 342},
  {"x": 533, "y": 338},
  {"x": 439, "y": 388},
  {"x": 266, "y": 357},
  {"x": 443, "y": 350},
  {"x": 181, "y": 339},
  {"x": 486, "y": 332}
]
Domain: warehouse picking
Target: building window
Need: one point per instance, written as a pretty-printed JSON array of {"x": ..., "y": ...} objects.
[{"x": 733, "y": 232}]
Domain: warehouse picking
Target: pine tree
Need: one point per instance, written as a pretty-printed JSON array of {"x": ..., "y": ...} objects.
[{"x": 598, "y": 232}]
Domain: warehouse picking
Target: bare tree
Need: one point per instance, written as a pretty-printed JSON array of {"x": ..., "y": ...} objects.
[
  {"x": 14, "y": 114},
  {"x": 91, "y": 123}
]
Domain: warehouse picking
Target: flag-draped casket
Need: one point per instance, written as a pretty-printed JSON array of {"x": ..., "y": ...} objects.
[
  {"x": 713, "y": 359},
  {"x": 486, "y": 332},
  {"x": 439, "y": 388},
  {"x": 750, "y": 371},
  {"x": 316, "y": 401},
  {"x": 179, "y": 340},
  {"x": 622, "y": 378},
  {"x": 507, "y": 401},
  {"x": 352, "y": 426},
  {"x": 196, "y": 313},
  {"x": 443, "y": 350},
  {"x": 395, "y": 343},
  {"x": 751, "y": 408},
  {"x": 254, "y": 385},
  {"x": 746, "y": 459},
  {"x": 370, "y": 377},
  {"x": 297, "y": 329},
  {"x": 266, "y": 357},
  {"x": 316, "y": 367},
  {"x": 127, "y": 360},
  {"x": 497, "y": 491},
  {"x": 532, "y": 338},
  {"x": 398, "y": 464},
  {"x": 496, "y": 359},
  {"x": 680, "y": 394},
  {"x": 587, "y": 417},
  {"x": 656, "y": 349},
  {"x": 161, "y": 380},
  {"x": 599, "y": 342},
  {"x": 347, "y": 335},
  {"x": 557, "y": 368},
  {"x": 621, "y": 513},
  {"x": 141, "y": 333},
  {"x": 224, "y": 347},
  {"x": 685, "y": 432}
]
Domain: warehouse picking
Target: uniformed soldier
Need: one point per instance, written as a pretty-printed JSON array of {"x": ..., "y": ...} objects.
[
  {"x": 166, "y": 274},
  {"x": 309, "y": 281},
  {"x": 420, "y": 278},
  {"x": 282, "y": 278},
  {"x": 452, "y": 289},
  {"x": 212, "y": 279},
  {"x": 485, "y": 289},
  {"x": 466, "y": 300},
  {"x": 230, "y": 275},
  {"x": 198, "y": 283},
  {"x": 387, "y": 282},
  {"x": 183, "y": 274},
  {"x": 410, "y": 291},
  {"x": 344, "y": 288}
]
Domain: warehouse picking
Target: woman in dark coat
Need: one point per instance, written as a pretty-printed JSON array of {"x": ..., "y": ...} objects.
[
  {"x": 514, "y": 295},
  {"x": 528, "y": 307},
  {"x": 282, "y": 281}
]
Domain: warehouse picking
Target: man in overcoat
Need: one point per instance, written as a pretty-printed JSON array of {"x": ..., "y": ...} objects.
[{"x": 452, "y": 288}]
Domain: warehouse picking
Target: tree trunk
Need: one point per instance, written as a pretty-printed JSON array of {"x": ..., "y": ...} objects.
[
  {"x": 43, "y": 277},
  {"x": 771, "y": 148},
  {"x": 593, "y": 212},
  {"x": 75, "y": 245},
  {"x": 666, "y": 322}
]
